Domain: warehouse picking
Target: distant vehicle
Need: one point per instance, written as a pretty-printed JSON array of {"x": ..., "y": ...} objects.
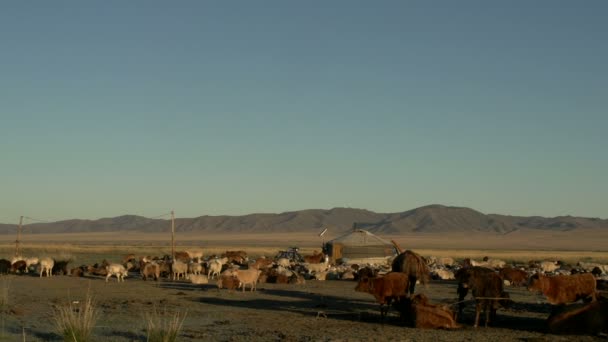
[{"x": 292, "y": 253}]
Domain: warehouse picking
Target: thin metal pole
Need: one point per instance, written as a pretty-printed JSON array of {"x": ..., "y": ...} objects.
[
  {"x": 172, "y": 234},
  {"x": 18, "y": 241}
]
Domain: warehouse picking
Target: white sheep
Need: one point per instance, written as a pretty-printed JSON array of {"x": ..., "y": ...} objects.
[
  {"x": 215, "y": 267},
  {"x": 179, "y": 268},
  {"x": 46, "y": 266},
  {"x": 118, "y": 270}
]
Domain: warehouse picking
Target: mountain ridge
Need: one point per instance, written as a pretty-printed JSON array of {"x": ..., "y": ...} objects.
[{"x": 431, "y": 219}]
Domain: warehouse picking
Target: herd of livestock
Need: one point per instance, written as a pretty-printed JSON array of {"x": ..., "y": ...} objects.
[{"x": 392, "y": 284}]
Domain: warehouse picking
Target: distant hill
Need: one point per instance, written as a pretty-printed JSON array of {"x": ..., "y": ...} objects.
[{"x": 427, "y": 219}]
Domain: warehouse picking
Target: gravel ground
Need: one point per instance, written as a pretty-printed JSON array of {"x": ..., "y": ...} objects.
[{"x": 315, "y": 311}]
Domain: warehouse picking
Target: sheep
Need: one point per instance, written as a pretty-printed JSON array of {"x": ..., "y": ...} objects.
[
  {"x": 116, "y": 269},
  {"x": 215, "y": 267},
  {"x": 179, "y": 268},
  {"x": 248, "y": 277},
  {"x": 46, "y": 265},
  {"x": 31, "y": 262},
  {"x": 150, "y": 269},
  {"x": 199, "y": 279},
  {"x": 195, "y": 268}
]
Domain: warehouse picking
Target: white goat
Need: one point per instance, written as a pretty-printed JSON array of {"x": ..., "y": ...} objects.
[{"x": 46, "y": 265}]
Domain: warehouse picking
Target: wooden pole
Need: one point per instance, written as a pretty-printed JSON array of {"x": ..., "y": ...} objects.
[
  {"x": 18, "y": 241},
  {"x": 172, "y": 234}
]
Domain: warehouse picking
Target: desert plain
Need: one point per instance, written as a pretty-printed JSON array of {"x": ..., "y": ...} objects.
[{"x": 315, "y": 311}]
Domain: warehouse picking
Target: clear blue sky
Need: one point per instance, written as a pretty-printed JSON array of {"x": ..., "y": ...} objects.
[{"x": 234, "y": 107}]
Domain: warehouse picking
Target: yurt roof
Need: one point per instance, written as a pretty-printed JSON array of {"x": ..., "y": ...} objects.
[{"x": 360, "y": 237}]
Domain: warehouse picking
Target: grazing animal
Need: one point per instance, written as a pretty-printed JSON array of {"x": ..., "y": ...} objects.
[
  {"x": 46, "y": 266},
  {"x": 246, "y": 277},
  {"x": 31, "y": 262},
  {"x": 199, "y": 279},
  {"x": 152, "y": 270},
  {"x": 236, "y": 257},
  {"x": 5, "y": 266},
  {"x": 317, "y": 267},
  {"x": 424, "y": 315},
  {"x": 385, "y": 289},
  {"x": 61, "y": 267},
  {"x": 316, "y": 258},
  {"x": 283, "y": 262},
  {"x": 444, "y": 274},
  {"x": 179, "y": 268},
  {"x": 195, "y": 254},
  {"x": 261, "y": 263},
  {"x": 195, "y": 268},
  {"x": 486, "y": 286},
  {"x": 549, "y": 266},
  {"x": 182, "y": 256},
  {"x": 366, "y": 272},
  {"x": 563, "y": 289},
  {"x": 414, "y": 266},
  {"x": 214, "y": 268},
  {"x": 515, "y": 276},
  {"x": 228, "y": 282},
  {"x": 590, "y": 318},
  {"x": 19, "y": 266},
  {"x": 128, "y": 258},
  {"x": 118, "y": 270},
  {"x": 78, "y": 271}
]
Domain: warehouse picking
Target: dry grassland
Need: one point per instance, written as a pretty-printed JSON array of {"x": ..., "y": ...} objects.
[{"x": 518, "y": 246}]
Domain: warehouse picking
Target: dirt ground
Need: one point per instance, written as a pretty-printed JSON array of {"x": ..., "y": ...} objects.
[{"x": 315, "y": 311}]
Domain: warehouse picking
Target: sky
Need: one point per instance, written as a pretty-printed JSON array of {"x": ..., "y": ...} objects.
[{"x": 234, "y": 107}]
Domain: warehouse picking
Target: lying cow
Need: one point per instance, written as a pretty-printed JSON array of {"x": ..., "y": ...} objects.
[
  {"x": 392, "y": 286},
  {"x": 590, "y": 318},
  {"x": 563, "y": 289},
  {"x": 424, "y": 315}
]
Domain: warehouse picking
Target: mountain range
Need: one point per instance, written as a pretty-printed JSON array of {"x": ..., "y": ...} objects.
[{"x": 427, "y": 219}]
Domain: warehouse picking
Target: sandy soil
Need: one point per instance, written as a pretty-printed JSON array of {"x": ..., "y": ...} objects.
[{"x": 275, "y": 312}]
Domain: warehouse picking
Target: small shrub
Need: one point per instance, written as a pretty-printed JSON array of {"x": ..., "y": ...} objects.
[
  {"x": 163, "y": 326},
  {"x": 75, "y": 321}
]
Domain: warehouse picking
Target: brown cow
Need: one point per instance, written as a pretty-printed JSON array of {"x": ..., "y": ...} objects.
[
  {"x": 563, "y": 289},
  {"x": 487, "y": 288},
  {"x": 392, "y": 286},
  {"x": 515, "y": 276},
  {"x": 462, "y": 275},
  {"x": 590, "y": 318},
  {"x": 425, "y": 315}
]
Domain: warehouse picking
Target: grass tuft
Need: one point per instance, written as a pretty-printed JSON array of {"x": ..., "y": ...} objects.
[
  {"x": 75, "y": 321},
  {"x": 163, "y": 326}
]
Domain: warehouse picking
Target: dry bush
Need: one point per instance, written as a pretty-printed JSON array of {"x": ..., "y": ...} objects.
[
  {"x": 75, "y": 321},
  {"x": 163, "y": 326}
]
